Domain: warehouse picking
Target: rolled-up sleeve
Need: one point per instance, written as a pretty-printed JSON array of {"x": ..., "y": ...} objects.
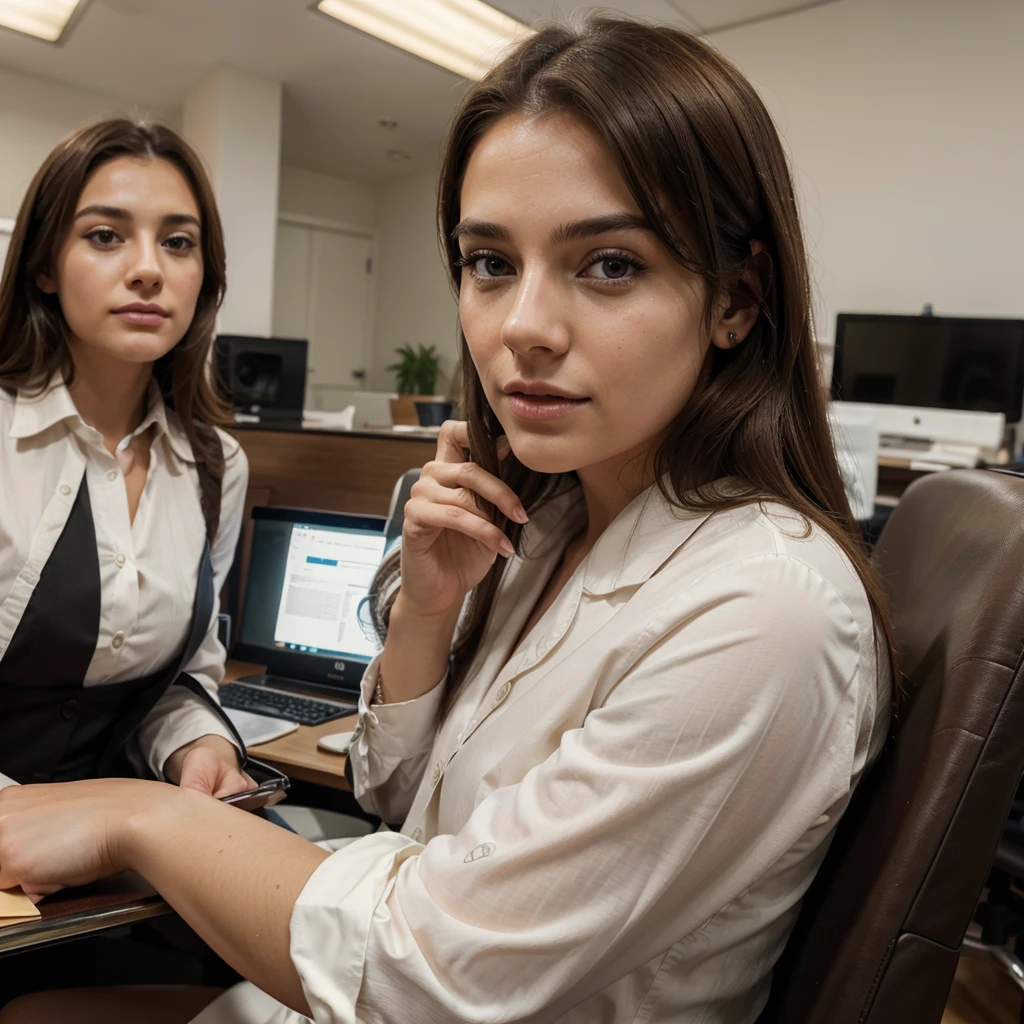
[
  {"x": 390, "y": 747},
  {"x": 179, "y": 716},
  {"x": 733, "y": 735}
]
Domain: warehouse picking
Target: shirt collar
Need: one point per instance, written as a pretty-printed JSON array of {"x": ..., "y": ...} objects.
[
  {"x": 641, "y": 539},
  {"x": 35, "y": 413},
  {"x": 167, "y": 423}
]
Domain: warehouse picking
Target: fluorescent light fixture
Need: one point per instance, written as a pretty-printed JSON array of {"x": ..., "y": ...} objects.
[
  {"x": 44, "y": 19},
  {"x": 465, "y": 36}
]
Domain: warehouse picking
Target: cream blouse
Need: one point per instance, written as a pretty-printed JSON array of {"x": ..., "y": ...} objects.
[{"x": 617, "y": 822}]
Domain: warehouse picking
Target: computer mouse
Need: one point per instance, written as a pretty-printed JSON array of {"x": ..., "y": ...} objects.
[{"x": 336, "y": 742}]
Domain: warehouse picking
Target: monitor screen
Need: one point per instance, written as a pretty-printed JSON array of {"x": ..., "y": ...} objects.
[
  {"x": 308, "y": 574},
  {"x": 932, "y": 362},
  {"x": 266, "y": 377}
]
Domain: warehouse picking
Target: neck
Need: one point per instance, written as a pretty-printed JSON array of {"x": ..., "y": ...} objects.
[
  {"x": 608, "y": 487},
  {"x": 110, "y": 394}
]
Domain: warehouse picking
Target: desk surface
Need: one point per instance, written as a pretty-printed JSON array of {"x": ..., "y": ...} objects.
[
  {"x": 297, "y": 754},
  {"x": 113, "y": 902}
]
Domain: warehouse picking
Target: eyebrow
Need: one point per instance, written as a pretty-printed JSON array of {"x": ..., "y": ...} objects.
[
  {"x": 119, "y": 213},
  {"x": 571, "y": 232}
]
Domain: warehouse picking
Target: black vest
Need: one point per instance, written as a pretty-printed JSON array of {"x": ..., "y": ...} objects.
[{"x": 52, "y": 727}]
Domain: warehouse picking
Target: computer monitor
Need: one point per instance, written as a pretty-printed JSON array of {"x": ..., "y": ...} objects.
[
  {"x": 973, "y": 364},
  {"x": 266, "y": 377},
  {"x": 308, "y": 575}
]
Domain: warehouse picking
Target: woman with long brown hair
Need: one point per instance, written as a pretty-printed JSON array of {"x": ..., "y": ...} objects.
[
  {"x": 635, "y": 657},
  {"x": 120, "y": 503}
]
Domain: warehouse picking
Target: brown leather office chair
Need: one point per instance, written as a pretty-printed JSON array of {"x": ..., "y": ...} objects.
[{"x": 879, "y": 935}]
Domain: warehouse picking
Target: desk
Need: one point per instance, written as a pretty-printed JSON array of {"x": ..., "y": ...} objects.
[
  {"x": 296, "y": 754},
  {"x": 123, "y": 899}
]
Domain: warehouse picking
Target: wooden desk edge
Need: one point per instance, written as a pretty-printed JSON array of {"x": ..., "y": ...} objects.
[{"x": 38, "y": 932}]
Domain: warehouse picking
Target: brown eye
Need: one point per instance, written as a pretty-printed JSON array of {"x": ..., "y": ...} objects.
[
  {"x": 613, "y": 268},
  {"x": 180, "y": 243},
  {"x": 490, "y": 266}
]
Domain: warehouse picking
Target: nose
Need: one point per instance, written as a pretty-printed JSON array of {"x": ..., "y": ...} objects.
[
  {"x": 536, "y": 324},
  {"x": 144, "y": 269}
]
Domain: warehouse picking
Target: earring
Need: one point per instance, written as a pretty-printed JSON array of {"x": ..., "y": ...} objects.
[{"x": 732, "y": 338}]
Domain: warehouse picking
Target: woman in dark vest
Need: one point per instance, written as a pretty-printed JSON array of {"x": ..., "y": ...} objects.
[{"x": 120, "y": 502}]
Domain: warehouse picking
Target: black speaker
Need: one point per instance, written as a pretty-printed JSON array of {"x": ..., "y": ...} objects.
[{"x": 266, "y": 377}]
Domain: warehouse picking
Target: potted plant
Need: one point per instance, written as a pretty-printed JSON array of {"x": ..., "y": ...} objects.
[{"x": 415, "y": 375}]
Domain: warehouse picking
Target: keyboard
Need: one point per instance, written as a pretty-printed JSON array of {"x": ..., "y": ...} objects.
[{"x": 292, "y": 707}]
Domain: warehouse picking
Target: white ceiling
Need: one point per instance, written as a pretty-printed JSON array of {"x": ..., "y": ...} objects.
[{"x": 337, "y": 82}]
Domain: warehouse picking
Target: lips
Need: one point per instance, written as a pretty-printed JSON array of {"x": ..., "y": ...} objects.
[
  {"x": 144, "y": 314},
  {"x": 543, "y": 406}
]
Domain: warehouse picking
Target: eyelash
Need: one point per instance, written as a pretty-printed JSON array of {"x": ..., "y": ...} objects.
[
  {"x": 189, "y": 244},
  {"x": 630, "y": 260}
]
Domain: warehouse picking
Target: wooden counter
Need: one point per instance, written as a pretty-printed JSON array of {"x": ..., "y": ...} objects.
[{"x": 335, "y": 471}]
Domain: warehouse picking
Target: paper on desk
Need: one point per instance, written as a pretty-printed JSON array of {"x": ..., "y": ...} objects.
[
  {"x": 15, "y": 907},
  {"x": 342, "y": 420},
  {"x": 257, "y": 729}
]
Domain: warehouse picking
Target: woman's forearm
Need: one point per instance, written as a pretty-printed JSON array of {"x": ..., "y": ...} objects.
[
  {"x": 415, "y": 656},
  {"x": 233, "y": 877}
]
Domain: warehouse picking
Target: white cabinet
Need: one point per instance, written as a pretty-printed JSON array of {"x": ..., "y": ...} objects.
[{"x": 323, "y": 291}]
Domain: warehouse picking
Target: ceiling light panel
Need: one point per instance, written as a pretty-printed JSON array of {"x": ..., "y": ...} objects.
[
  {"x": 465, "y": 36},
  {"x": 44, "y": 19}
]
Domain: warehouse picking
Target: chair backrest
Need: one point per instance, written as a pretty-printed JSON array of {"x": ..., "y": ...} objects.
[
  {"x": 399, "y": 496},
  {"x": 879, "y": 934}
]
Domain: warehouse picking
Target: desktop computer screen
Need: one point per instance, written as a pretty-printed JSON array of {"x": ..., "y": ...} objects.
[
  {"x": 971, "y": 364},
  {"x": 309, "y": 573},
  {"x": 266, "y": 377}
]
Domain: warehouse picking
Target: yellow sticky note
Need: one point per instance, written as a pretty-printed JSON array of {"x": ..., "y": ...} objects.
[{"x": 16, "y": 905}]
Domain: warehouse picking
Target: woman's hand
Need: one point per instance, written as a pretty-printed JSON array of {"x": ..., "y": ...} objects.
[
  {"x": 68, "y": 833},
  {"x": 448, "y": 541},
  {"x": 208, "y": 765}
]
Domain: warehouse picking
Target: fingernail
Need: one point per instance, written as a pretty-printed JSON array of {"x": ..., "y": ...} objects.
[
  {"x": 506, "y": 548},
  {"x": 519, "y": 515}
]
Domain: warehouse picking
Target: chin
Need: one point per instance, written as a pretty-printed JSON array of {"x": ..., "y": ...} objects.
[
  {"x": 551, "y": 455},
  {"x": 139, "y": 348}
]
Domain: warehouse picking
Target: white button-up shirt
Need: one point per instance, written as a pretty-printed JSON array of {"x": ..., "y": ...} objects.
[
  {"x": 148, "y": 568},
  {"x": 617, "y": 821}
]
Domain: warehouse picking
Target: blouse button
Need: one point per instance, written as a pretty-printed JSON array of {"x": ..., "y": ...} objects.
[
  {"x": 112, "y": 475},
  {"x": 69, "y": 709},
  {"x": 117, "y": 641},
  {"x": 65, "y": 490},
  {"x": 503, "y": 692},
  {"x": 417, "y": 835},
  {"x": 119, "y": 559},
  {"x": 436, "y": 775}
]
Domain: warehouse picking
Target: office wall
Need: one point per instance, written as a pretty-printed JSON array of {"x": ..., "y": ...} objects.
[
  {"x": 323, "y": 196},
  {"x": 35, "y": 115},
  {"x": 414, "y": 304},
  {"x": 904, "y": 123}
]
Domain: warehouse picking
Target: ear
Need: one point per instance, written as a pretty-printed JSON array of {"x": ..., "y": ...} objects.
[
  {"x": 740, "y": 309},
  {"x": 45, "y": 283}
]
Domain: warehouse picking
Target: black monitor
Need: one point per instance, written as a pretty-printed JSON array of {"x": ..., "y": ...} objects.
[
  {"x": 304, "y": 615},
  {"x": 266, "y": 377},
  {"x": 941, "y": 362}
]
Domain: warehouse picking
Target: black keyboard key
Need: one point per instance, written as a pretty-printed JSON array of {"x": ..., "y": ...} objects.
[{"x": 291, "y": 707}]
